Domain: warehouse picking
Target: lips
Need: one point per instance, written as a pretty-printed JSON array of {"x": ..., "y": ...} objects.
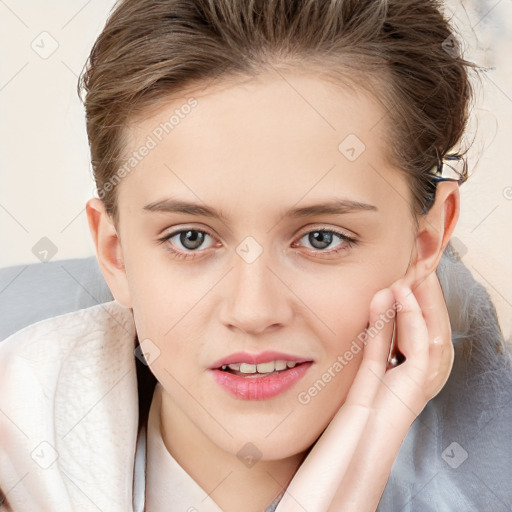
[
  {"x": 259, "y": 376},
  {"x": 262, "y": 357}
]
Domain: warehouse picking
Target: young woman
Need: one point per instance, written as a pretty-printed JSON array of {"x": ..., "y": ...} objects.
[{"x": 274, "y": 202}]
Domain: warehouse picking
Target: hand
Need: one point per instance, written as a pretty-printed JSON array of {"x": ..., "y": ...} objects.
[{"x": 348, "y": 467}]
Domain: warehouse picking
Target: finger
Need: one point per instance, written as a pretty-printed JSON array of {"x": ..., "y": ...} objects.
[
  {"x": 430, "y": 297},
  {"x": 402, "y": 393},
  {"x": 376, "y": 349},
  {"x": 441, "y": 362},
  {"x": 412, "y": 332}
]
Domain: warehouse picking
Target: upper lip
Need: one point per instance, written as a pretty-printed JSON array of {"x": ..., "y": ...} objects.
[{"x": 262, "y": 357}]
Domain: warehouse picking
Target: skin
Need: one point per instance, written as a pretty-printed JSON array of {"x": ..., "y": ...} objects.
[{"x": 254, "y": 149}]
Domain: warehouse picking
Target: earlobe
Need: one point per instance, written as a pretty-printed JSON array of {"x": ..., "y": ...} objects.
[
  {"x": 108, "y": 251},
  {"x": 435, "y": 230}
]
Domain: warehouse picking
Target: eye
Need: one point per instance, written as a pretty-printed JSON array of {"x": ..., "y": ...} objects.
[
  {"x": 321, "y": 239},
  {"x": 186, "y": 240}
]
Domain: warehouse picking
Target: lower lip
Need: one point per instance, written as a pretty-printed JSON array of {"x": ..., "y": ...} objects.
[{"x": 260, "y": 388}]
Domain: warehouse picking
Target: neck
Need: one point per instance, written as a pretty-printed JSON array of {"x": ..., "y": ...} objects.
[{"x": 234, "y": 484}]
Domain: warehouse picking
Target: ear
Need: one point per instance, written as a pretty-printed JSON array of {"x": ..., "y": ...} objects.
[
  {"x": 108, "y": 250},
  {"x": 434, "y": 231}
]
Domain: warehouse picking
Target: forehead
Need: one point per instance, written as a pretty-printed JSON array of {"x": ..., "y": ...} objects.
[
  {"x": 277, "y": 134},
  {"x": 270, "y": 100}
]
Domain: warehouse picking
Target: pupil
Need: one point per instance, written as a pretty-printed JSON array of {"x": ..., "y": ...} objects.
[
  {"x": 191, "y": 239},
  {"x": 320, "y": 239}
]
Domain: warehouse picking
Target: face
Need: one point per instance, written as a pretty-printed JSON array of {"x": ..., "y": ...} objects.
[{"x": 227, "y": 262}]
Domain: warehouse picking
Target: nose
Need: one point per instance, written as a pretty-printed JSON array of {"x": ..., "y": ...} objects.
[{"x": 259, "y": 299}]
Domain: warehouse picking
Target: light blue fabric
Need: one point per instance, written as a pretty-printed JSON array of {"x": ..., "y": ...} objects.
[
  {"x": 457, "y": 456},
  {"x": 29, "y": 293}
]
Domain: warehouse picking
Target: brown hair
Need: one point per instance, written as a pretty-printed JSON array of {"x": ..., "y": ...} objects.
[{"x": 403, "y": 51}]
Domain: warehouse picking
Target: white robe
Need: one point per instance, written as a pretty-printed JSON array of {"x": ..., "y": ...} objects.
[{"x": 69, "y": 412}]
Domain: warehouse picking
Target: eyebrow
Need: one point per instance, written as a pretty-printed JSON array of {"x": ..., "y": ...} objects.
[{"x": 332, "y": 207}]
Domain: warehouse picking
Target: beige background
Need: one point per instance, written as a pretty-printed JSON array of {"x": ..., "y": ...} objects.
[{"x": 45, "y": 173}]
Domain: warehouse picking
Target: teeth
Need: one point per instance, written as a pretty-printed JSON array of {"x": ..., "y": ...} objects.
[
  {"x": 247, "y": 368},
  {"x": 266, "y": 367},
  {"x": 280, "y": 365},
  {"x": 269, "y": 367}
]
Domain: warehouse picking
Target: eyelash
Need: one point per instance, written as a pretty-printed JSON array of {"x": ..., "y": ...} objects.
[{"x": 349, "y": 242}]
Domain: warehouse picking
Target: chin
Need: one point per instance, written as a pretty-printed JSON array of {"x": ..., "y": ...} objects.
[{"x": 278, "y": 445}]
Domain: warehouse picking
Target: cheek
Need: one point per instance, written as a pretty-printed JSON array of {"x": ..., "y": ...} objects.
[
  {"x": 163, "y": 295},
  {"x": 340, "y": 300},
  {"x": 168, "y": 311}
]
